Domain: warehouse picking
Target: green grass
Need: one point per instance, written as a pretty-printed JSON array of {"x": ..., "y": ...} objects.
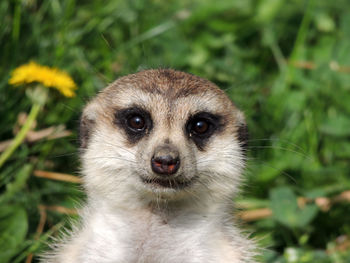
[{"x": 299, "y": 118}]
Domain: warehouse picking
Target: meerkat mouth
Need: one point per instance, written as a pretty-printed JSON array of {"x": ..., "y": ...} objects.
[{"x": 168, "y": 183}]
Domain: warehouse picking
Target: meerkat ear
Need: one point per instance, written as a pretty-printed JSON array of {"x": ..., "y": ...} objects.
[
  {"x": 87, "y": 123},
  {"x": 242, "y": 131}
]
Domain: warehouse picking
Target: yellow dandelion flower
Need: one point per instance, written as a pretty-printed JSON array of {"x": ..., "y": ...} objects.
[{"x": 49, "y": 77}]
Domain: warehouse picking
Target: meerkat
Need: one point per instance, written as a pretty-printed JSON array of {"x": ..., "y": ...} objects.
[{"x": 162, "y": 156}]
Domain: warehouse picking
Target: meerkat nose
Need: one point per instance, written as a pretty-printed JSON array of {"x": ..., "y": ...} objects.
[{"x": 165, "y": 160}]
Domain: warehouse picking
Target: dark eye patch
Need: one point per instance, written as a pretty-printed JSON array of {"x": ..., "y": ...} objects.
[
  {"x": 135, "y": 121},
  {"x": 201, "y": 126}
]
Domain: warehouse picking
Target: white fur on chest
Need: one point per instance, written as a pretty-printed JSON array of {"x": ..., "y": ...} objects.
[{"x": 145, "y": 237}]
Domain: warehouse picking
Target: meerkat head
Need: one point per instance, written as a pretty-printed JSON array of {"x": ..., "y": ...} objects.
[{"x": 162, "y": 134}]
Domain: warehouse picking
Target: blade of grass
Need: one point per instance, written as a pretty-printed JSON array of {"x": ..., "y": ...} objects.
[
  {"x": 36, "y": 244},
  {"x": 16, "y": 22},
  {"x": 21, "y": 135},
  {"x": 21, "y": 179}
]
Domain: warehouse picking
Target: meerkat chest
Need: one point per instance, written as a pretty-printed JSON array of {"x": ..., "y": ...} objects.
[{"x": 145, "y": 239}]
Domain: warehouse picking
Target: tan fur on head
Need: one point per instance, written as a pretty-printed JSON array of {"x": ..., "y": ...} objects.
[
  {"x": 162, "y": 155},
  {"x": 170, "y": 97}
]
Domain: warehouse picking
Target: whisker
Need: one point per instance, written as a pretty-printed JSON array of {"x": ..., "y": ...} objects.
[
  {"x": 62, "y": 155},
  {"x": 281, "y": 148},
  {"x": 274, "y": 168},
  {"x": 110, "y": 157},
  {"x": 278, "y": 140}
]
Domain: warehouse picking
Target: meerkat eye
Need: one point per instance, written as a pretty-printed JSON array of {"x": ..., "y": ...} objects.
[
  {"x": 136, "y": 122},
  {"x": 200, "y": 126}
]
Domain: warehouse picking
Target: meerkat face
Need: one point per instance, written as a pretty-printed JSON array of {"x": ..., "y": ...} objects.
[{"x": 162, "y": 133}]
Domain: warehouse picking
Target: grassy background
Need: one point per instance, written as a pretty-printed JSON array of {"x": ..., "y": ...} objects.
[{"x": 286, "y": 64}]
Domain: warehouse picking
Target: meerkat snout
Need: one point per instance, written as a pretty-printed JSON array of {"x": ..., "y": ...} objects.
[{"x": 165, "y": 160}]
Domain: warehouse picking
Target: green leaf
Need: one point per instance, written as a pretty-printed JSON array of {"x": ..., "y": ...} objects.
[
  {"x": 19, "y": 182},
  {"x": 13, "y": 230},
  {"x": 286, "y": 211},
  {"x": 283, "y": 205},
  {"x": 306, "y": 214},
  {"x": 325, "y": 22},
  {"x": 268, "y": 9},
  {"x": 338, "y": 125}
]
